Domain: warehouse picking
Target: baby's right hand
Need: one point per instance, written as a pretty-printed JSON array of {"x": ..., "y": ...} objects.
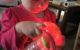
[{"x": 29, "y": 28}]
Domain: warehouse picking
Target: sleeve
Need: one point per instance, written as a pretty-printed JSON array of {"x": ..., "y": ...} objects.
[{"x": 7, "y": 33}]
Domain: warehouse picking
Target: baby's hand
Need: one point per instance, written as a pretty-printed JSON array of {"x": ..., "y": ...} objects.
[{"x": 29, "y": 28}]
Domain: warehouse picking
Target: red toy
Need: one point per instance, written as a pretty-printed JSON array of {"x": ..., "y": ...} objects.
[{"x": 50, "y": 39}]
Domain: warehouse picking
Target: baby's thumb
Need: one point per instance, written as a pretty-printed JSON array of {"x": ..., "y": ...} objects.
[{"x": 38, "y": 31}]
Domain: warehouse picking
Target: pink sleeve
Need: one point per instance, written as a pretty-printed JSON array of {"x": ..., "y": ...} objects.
[{"x": 8, "y": 34}]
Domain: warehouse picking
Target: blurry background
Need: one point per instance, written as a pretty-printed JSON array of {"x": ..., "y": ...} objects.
[{"x": 8, "y": 2}]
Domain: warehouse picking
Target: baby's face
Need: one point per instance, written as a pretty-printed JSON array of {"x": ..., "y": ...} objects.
[
  {"x": 26, "y": 3},
  {"x": 33, "y": 4}
]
